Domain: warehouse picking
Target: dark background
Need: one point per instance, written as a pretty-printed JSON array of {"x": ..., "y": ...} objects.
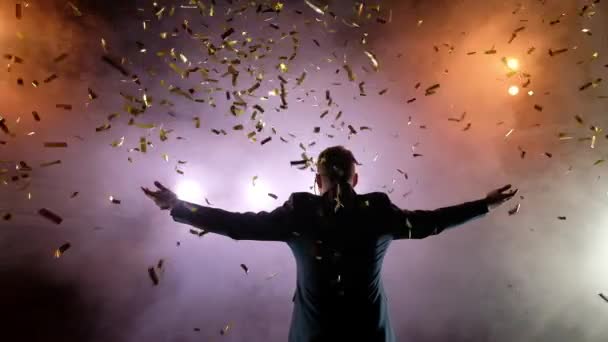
[{"x": 523, "y": 277}]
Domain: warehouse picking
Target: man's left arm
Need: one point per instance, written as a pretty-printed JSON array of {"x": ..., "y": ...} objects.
[
  {"x": 419, "y": 224},
  {"x": 261, "y": 226}
]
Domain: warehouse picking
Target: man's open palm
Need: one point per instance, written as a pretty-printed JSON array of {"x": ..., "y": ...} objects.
[
  {"x": 163, "y": 198},
  {"x": 499, "y": 196}
]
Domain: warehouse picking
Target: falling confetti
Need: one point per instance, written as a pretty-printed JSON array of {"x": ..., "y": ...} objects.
[
  {"x": 61, "y": 250},
  {"x": 51, "y": 216}
]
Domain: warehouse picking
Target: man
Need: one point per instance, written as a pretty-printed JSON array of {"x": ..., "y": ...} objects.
[{"x": 339, "y": 240}]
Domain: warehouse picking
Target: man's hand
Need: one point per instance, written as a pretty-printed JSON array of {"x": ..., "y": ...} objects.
[
  {"x": 499, "y": 196},
  {"x": 163, "y": 198}
]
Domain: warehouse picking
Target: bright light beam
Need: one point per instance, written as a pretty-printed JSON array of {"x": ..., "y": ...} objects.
[
  {"x": 513, "y": 64},
  {"x": 189, "y": 190}
]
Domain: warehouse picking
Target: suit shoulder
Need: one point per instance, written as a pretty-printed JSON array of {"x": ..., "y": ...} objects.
[
  {"x": 303, "y": 197},
  {"x": 374, "y": 199}
]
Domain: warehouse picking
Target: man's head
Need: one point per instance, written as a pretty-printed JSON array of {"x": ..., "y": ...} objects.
[{"x": 335, "y": 165}]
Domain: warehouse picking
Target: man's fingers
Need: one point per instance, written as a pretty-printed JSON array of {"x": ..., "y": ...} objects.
[
  {"x": 504, "y": 188},
  {"x": 160, "y": 186}
]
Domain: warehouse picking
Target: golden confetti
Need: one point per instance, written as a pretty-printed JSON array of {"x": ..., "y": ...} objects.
[
  {"x": 59, "y": 251},
  {"x": 118, "y": 143},
  {"x": 315, "y": 7},
  {"x": 104, "y": 45},
  {"x": 351, "y": 75},
  {"x": 75, "y": 9},
  {"x": 373, "y": 59},
  {"x": 143, "y": 144},
  {"x": 283, "y": 67},
  {"x": 515, "y": 210}
]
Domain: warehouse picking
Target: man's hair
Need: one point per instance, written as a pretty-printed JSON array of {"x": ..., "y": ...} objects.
[{"x": 337, "y": 164}]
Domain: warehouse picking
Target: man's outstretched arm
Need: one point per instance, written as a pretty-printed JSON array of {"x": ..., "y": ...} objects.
[
  {"x": 418, "y": 224},
  {"x": 263, "y": 226}
]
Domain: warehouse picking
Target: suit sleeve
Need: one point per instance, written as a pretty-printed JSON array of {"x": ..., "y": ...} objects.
[
  {"x": 419, "y": 224},
  {"x": 261, "y": 226}
]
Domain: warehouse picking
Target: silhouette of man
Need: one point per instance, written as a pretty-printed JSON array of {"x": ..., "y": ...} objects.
[{"x": 339, "y": 240}]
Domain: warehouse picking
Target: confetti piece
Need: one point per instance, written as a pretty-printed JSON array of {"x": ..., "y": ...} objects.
[
  {"x": 60, "y": 58},
  {"x": 273, "y": 195},
  {"x": 227, "y": 33},
  {"x": 75, "y": 9},
  {"x": 92, "y": 94},
  {"x": 244, "y": 267},
  {"x": 411, "y": 100},
  {"x": 562, "y": 218},
  {"x": 61, "y": 250},
  {"x": 36, "y": 116},
  {"x": 64, "y": 106},
  {"x": 431, "y": 90},
  {"x": 153, "y": 276},
  {"x": 55, "y": 144},
  {"x": 372, "y": 59},
  {"x": 538, "y": 107},
  {"x": 114, "y": 200},
  {"x": 265, "y": 140},
  {"x": 74, "y": 194},
  {"x": 603, "y": 296},
  {"x": 557, "y": 52},
  {"x": 298, "y": 162},
  {"x": 50, "y": 78},
  {"x": 115, "y": 65},
  {"x": 56, "y": 162},
  {"x": 599, "y": 161},
  {"x": 351, "y": 75},
  {"x": 315, "y": 7},
  {"x": 515, "y": 210},
  {"x": 50, "y": 216},
  {"x": 18, "y": 11}
]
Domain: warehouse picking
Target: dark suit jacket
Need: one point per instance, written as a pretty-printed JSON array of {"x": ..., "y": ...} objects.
[{"x": 339, "y": 294}]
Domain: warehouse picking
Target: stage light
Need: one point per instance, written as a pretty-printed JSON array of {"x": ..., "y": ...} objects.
[
  {"x": 513, "y": 64},
  {"x": 513, "y": 90},
  {"x": 188, "y": 190}
]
